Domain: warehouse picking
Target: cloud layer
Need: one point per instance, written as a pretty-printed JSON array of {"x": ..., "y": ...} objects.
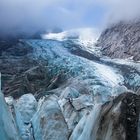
[{"x": 33, "y": 15}]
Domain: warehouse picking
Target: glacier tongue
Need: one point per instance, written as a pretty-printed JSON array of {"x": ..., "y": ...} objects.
[{"x": 76, "y": 95}]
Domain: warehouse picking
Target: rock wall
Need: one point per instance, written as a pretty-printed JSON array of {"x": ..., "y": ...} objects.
[{"x": 121, "y": 40}]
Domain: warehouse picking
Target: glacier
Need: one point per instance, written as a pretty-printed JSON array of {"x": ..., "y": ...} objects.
[{"x": 69, "y": 91}]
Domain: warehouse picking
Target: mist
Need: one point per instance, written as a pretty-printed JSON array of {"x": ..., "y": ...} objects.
[{"x": 30, "y": 16}]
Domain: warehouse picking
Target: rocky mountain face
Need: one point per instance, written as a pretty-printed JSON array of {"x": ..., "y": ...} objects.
[
  {"x": 61, "y": 90},
  {"x": 121, "y": 40}
]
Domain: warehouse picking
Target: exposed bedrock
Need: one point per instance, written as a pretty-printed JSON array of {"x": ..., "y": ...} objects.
[{"x": 121, "y": 40}]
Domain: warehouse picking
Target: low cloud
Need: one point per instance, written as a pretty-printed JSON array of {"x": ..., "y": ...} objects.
[
  {"x": 30, "y": 16},
  {"x": 122, "y": 10}
]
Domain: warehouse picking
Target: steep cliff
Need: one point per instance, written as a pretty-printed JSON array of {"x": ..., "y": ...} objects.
[{"x": 121, "y": 40}]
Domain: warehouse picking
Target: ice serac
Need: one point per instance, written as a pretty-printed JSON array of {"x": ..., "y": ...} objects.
[
  {"x": 48, "y": 123},
  {"x": 88, "y": 125},
  {"x": 114, "y": 120},
  {"x": 74, "y": 105},
  {"x": 8, "y": 128},
  {"x": 25, "y": 108}
]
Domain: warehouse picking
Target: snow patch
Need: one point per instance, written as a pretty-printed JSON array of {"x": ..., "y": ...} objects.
[{"x": 83, "y": 34}]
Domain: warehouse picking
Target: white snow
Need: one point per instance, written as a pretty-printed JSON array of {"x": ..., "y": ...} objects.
[
  {"x": 83, "y": 34},
  {"x": 9, "y": 100},
  {"x": 85, "y": 37},
  {"x": 109, "y": 74}
]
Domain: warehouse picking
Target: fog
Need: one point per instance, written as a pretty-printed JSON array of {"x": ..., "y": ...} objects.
[{"x": 30, "y": 16}]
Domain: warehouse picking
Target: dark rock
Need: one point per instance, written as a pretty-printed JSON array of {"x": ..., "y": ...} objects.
[
  {"x": 130, "y": 109},
  {"x": 119, "y": 118},
  {"x": 30, "y": 81}
]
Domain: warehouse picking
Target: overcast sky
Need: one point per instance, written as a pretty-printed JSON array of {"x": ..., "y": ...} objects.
[{"x": 32, "y": 15}]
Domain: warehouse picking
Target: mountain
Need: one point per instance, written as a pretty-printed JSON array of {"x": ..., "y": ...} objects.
[
  {"x": 121, "y": 40},
  {"x": 65, "y": 89}
]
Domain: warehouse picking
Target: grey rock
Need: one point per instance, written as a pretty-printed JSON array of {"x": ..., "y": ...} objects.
[{"x": 121, "y": 40}]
